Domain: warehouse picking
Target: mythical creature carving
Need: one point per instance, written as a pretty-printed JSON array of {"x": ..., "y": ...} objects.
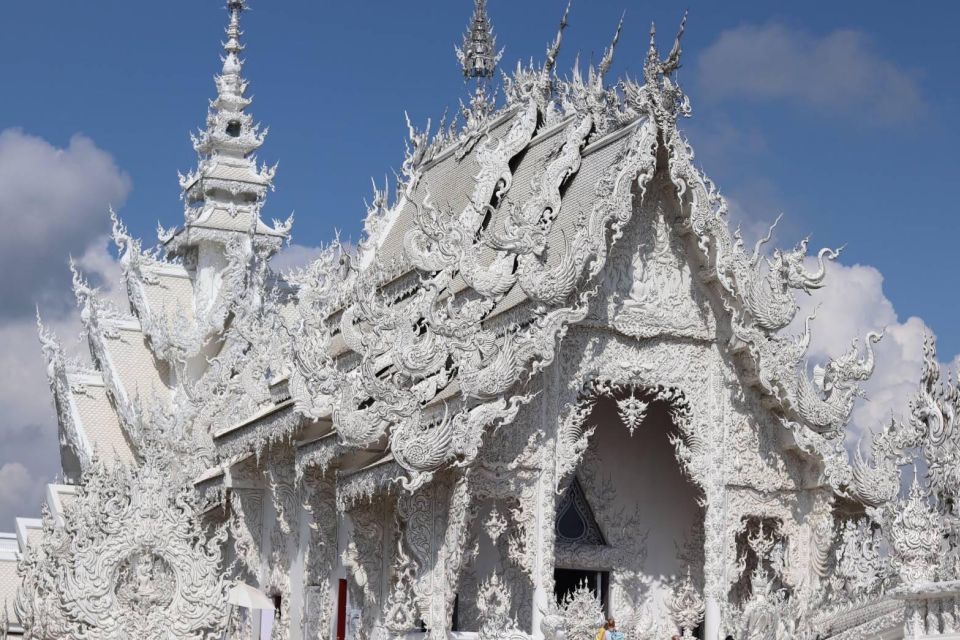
[
  {"x": 580, "y": 614},
  {"x": 494, "y": 600}
]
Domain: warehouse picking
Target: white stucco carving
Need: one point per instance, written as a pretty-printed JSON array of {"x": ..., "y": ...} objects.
[{"x": 551, "y": 385}]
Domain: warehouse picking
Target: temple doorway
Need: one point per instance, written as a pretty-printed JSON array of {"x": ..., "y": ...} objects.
[{"x": 629, "y": 508}]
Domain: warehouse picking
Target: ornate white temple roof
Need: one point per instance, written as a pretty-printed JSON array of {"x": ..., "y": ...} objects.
[{"x": 517, "y": 242}]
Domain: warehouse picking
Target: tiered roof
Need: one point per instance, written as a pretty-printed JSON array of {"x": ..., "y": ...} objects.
[
  {"x": 466, "y": 284},
  {"x": 404, "y": 355}
]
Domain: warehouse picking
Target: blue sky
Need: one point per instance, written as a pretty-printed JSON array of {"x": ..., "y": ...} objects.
[
  {"x": 843, "y": 116},
  {"x": 333, "y": 79}
]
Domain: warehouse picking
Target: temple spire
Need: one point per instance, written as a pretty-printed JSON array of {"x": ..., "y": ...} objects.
[
  {"x": 478, "y": 60},
  {"x": 226, "y": 191},
  {"x": 607, "y": 60},
  {"x": 232, "y": 45}
]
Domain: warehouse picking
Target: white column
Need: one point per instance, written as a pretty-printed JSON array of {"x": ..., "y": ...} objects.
[
  {"x": 711, "y": 621},
  {"x": 268, "y": 520},
  {"x": 298, "y": 575},
  {"x": 541, "y": 602}
]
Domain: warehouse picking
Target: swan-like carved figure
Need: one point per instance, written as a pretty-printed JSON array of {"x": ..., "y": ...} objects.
[
  {"x": 768, "y": 296},
  {"x": 825, "y": 403}
]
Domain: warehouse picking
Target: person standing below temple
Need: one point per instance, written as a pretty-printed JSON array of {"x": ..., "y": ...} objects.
[{"x": 609, "y": 631}]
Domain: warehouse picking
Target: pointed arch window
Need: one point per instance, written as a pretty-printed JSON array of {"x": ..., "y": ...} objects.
[{"x": 575, "y": 522}]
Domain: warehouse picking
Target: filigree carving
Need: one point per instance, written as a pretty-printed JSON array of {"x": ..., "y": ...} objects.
[
  {"x": 686, "y": 607},
  {"x": 132, "y": 559},
  {"x": 580, "y": 613},
  {"x": 494, "y": 599},
  {"x": 916, "y": 537},
  {"x": 495, "y": 525}
]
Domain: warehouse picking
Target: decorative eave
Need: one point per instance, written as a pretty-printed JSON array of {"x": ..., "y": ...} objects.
[
  {"x": 265, "y": 239},
  {"x": 327, "y": 453},
  {"x": 232, "y": 179},
  {"x": 101, "y": 322},
  {"x": 271, "y": 425},
  {"x": 62, "y": 375},
  {"x": 213, "y": 482},
  {"x": 377, "y": 479}
]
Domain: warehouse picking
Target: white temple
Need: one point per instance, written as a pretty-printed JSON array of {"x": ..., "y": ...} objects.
[{"x": 550, "y": 386}]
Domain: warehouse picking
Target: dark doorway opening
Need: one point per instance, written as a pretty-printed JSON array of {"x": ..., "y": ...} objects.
[{"x": 567, "y": 580}]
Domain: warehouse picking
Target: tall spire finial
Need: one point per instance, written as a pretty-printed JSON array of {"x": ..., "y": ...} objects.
[
  {"x": 607, "y": 60},
  {"x": 232, "y": 45},
  {"x": 554, "y": 50},
  {"x": 655, "y": 67},
  {"x": 227, "y": 189},
  {"x": 479, "y": 56}
]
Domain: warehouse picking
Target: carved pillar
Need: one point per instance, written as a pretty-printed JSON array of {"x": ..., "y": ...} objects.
[
  {"x": 543, "y": 572},
  {"x": 283, "y": 539},
  {"x": 712, "y": 619},
  {"x": 435, "y": 531},
  {"x": 319, "y": 539},
  {"x": 715, "y": 519},
  {"x": 298, "y": 574},
  {"x": 713, "y": 566},
  {"x": 451, "y": 558}
]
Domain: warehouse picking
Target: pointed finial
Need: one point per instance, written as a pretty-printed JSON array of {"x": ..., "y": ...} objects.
[
  {"x": 672, "y": 63},
  {"x": 478, "y": 58},
  {"x": 656, "y": 68},
  {"x": 607, "y": 60},
  {"x": 232, "y": 45},
  {"x": 554, "y": 49},
  {"x": 652, "y": 53}
]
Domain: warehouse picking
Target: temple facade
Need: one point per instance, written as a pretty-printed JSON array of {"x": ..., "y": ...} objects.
[{"x": 549, "y": 387}]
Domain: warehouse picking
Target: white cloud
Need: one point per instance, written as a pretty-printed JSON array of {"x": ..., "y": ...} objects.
[
  {"x": 294, "y": 256},
  {"x": 53, "y": 202},
  {"x": 850, "y": 305},
  {"x": 29, "y": 427},
  {"x": 18, "y": 483},
  {"x": 839, "y": 73}
]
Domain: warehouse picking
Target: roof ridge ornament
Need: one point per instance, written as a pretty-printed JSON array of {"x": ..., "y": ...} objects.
[
  {"x": 479, "y": 57},
  {"x": 657, "y": 69},
  {"x": 666, "y": 100},
  {"x": 554, "y": 49},
  {"x": 607, "y": 61}
]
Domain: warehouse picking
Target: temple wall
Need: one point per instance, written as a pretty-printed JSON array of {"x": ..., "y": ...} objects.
[{"x": 488, "y": 542}]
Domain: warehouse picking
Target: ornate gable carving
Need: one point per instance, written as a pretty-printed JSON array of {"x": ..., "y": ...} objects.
[
  {"x": 651, "y": 288},
  {"x": 132, "y": 560}
]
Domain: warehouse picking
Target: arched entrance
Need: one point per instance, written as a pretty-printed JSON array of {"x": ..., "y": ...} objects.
[{"x": 628, "y": 522}]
